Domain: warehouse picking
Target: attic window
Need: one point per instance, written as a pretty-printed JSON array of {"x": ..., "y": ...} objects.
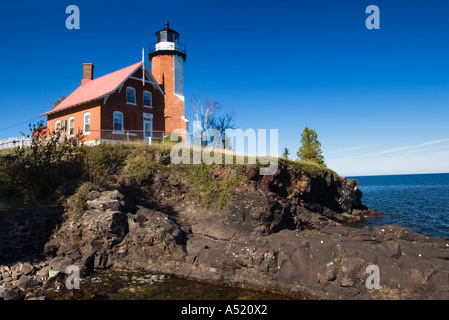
[{"x": 130, "y": 95}]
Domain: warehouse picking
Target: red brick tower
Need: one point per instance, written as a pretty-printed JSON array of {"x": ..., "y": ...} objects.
[{"x": 167, "y": 58}]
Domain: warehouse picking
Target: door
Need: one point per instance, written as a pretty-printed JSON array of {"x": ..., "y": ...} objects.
[{"x": 147, "y": 126}]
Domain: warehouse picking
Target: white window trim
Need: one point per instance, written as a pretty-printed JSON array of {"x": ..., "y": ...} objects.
[
  {"x": 56, "y": 126},
  {"x": 84, "y": 123},
  {"x": 151, "y": 99},
  {"x": 135, "y": 96},
  {"x": 148, "y": 115},
  {"x": 68, "y": 127},
  {"x": 113, "y": 123}
]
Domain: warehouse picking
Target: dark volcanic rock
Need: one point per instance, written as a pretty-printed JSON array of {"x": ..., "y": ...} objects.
[
  {"x": 325, "y": 193},
  {"x": 12, "y": 294},
  {"x": 326, "y": 263},
  {"x": 279, "y": 232},
  {"x": 26, "y": 282}
]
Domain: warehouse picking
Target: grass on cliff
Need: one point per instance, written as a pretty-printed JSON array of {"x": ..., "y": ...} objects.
[
  {"x": 296, "y": 167},
  {"x": 144, "y": 161},
  {"x": 203, "y": 187},
  {"x": 78, "y": 199},
  {"x": 45, "y": 175}
]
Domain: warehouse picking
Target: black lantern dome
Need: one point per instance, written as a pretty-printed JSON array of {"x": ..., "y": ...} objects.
[{"x": 167, "y": 42}]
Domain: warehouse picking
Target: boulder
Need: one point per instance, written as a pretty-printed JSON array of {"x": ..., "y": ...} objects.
[
  {"x": 149, "y": 227},
  {"x": 43, "y": 274},
  {"x": 109, "y": 227},
  {"x": 252, "y": 173},
  {"x": 220, "y": 173},
  {"x": 92, "y": 195},
  {"x": 26, "y": 282},
  {"x": 12, "y": 294},
  {"x": 103, "y": 203},
  {"x": 26, "y": 268}
]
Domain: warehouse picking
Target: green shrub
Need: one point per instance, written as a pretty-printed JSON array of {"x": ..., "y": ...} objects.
[
  {"x": 199, "y": 182},
  {"x": 103, "y": 161},
  {"x": 227, "y": 186},
  {"x": 79, "y": 198},
  {"x": 38, "y": 174},
  {"x": 140, "y": 166},
  {"x": 203, "y": 187}
]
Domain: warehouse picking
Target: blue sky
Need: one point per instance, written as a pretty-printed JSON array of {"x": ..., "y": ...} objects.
[{"x": 378, "y": 99}]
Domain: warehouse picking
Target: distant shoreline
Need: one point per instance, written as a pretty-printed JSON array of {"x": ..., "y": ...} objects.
[{"x": 396, "y": 174}]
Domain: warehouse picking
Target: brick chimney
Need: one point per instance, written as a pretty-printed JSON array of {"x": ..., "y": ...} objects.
[{"x": 88, "y": 73}]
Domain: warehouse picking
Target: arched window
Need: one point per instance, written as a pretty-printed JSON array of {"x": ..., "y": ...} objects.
[
  {"x": 147, "y": 99},
  {"x": 118, "y": 122},
  {"x": 86, "y": 124},
  {"x": 130, "y": 95}
]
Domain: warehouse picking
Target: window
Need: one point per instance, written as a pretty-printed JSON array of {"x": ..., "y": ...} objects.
[
  {"x": 147, "y": 99},
  {"x": 130, "y": 95},
  {"x": 86, "y": 123},
  {"x": 162, "y": 37},
  {"x": 58, "y": 127},
  {"x": 64, "y": 126},
  {"x": 147, "y": 125},
  {"x": 118, "y": 122},
  {"x": 71, "y": 126}
]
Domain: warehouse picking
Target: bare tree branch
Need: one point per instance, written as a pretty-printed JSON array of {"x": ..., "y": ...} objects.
[
  {"x": 224, "y": 122},
  {"x": 205, "y": 115},
  {"x": 204, "y": 112}
]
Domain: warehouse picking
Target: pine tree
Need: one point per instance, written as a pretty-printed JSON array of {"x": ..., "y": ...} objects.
[
  {"x": 59, "y": 101},
  {"x": 285, "y": 153},
  {"x": 310, "y": 149}
]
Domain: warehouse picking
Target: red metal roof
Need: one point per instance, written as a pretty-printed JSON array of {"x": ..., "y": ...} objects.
[{"x": 95, "y": 89}]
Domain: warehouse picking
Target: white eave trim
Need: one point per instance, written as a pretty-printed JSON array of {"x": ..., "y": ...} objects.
[
  {"x": 146, "y": 81},
  {"x": 180, "y": 97},
  {"x": 153, "y": 80},
  {"x": 74, "y": 105}
]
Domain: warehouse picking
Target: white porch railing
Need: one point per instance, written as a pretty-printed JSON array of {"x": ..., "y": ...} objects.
[{"x": 15, "y": 142}]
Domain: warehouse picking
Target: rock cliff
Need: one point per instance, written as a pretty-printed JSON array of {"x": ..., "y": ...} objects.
[{"x": 291, "y": 232}]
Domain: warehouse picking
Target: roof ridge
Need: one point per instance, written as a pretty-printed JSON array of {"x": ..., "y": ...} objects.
[
  {"x": 117, "y": 71},
  {"x": 96, "y": 88}
]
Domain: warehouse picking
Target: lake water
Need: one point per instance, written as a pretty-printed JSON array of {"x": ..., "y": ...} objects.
[
  {"x": 127, "y": 285},
  {"x": 419, "y": 202}
]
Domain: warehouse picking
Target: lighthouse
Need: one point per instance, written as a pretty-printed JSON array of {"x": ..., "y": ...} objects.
[{"x": 167, "y": 58}]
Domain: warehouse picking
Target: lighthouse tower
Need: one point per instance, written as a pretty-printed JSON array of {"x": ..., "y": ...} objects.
[{"x": 167, "y": 58}]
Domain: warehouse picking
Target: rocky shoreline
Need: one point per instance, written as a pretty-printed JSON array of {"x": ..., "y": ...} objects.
[{"x": 275, "y": 233}]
